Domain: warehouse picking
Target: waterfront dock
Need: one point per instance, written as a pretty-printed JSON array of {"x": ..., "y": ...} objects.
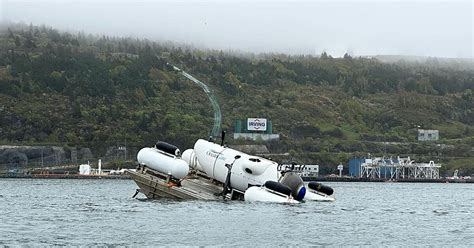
[
  {"x": 401, "y": 180},
  {"x": 64, "y": 176}
]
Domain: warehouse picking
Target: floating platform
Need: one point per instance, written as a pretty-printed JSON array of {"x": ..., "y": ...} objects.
[{"x": 156, "y": 185}]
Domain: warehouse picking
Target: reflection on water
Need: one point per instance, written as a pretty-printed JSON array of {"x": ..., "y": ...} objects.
[{"x": 102, "y": 212}]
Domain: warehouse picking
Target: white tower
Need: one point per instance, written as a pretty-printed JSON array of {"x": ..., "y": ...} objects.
[
  {"x": 100, "y": 167},
  {"x": 340, "y": 167}
]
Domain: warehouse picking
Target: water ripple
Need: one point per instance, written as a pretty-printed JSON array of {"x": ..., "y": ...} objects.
[{"x": 38, "y": 212}]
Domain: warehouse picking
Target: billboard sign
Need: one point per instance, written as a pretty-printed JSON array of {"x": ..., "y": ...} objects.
[{"x": 256, "y": 124}]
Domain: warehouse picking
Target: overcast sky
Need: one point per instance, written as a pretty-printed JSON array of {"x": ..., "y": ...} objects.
[{"x": 426, "y": 28}]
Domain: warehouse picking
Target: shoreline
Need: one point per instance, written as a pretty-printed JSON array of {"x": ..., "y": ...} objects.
[
  {"x": 306, "y": 179},
  {"x": 67, "y": 176},
  {"x": 384, "y": 180}
]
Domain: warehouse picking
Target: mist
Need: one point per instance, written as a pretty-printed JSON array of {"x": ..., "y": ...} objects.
[{"x": 361, "y": 28}]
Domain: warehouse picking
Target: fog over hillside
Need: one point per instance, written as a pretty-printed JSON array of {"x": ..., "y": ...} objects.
[{"x": 360, "y": 28}]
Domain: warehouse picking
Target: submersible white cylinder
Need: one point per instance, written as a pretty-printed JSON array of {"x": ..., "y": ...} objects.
[
  {"x": 246, "y": 170},
  {"x": 261, "y": 194},
  {"x": 163, "y": 162}
]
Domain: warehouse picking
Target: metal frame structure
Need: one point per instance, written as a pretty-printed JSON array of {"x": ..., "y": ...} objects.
[{"x": 399, "y": 168}]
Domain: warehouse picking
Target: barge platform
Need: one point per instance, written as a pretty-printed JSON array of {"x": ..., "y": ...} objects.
[{"x": 155, "y": 185}]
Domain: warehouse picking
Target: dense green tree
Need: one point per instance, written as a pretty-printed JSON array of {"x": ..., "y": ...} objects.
[{"x": 86, "y": 90}]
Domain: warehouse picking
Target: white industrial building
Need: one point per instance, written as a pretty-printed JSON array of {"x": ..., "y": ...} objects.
[
  {"x": 304, "y": 170},
  {"x": 428, "y": 135}
]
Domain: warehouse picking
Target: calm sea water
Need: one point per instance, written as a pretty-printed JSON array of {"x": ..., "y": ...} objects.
[{"x": 102, "y": 212}]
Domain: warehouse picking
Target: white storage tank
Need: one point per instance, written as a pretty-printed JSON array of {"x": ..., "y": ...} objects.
[{"x": 84, "y": 169}]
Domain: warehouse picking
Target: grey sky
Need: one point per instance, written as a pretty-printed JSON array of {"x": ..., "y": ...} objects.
[{"x": 426, "y": 28}]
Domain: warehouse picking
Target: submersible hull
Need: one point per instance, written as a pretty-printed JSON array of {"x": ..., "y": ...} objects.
[{"x": 218, "y": 172}]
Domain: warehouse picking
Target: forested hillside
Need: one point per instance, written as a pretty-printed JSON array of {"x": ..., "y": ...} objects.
[{"x": 82, "y": 90}]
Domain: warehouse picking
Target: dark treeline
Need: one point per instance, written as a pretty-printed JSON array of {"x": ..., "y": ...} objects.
[{"x": 84, "y": 90}]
